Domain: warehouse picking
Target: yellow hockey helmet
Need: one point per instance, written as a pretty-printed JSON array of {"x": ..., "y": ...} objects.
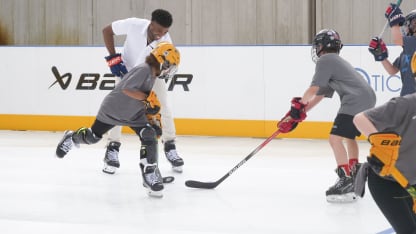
[{"x": 168, "y": 57}]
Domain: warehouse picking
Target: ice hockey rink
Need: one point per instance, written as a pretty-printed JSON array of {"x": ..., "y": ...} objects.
[{"x": 281, "y": 189}]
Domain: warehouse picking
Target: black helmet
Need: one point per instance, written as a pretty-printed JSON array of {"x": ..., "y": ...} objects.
[
  {"x": 410, "y": 28},
  {"x": 327, "y": 40}
]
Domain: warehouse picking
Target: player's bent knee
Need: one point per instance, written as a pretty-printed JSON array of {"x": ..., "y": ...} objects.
[
  {"x": 85, "y": 136},
  {"x": 148, "y": 134}
]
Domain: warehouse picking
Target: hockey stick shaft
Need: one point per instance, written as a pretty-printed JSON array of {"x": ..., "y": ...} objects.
[
  {"x": 211, "y": 185},
  {"x": 387, "y": 22}
]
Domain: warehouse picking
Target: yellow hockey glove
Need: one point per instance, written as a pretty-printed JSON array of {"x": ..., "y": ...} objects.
[
  {"x": 156, "y": 123},
  {"x": 152, "y": 104},
  {"x": 384, "y": 152}
]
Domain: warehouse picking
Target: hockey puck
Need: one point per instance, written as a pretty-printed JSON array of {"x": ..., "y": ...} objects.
[{"x": 168, "y": 179}]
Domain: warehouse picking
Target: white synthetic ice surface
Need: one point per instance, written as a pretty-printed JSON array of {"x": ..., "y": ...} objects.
[{"x": 279, "y": 190}]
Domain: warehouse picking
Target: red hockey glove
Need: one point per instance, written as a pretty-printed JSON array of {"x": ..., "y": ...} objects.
[
  {"x": 297, "y": 110},
  {"x": 378, "y": 49},
  {"x": 287, "y": 124},
  {"x": 296, "y": 115}
]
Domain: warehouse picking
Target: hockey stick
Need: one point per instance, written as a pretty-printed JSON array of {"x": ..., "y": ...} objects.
[
  {"x": 387, "y": 22},
  {"x": 211, "y": 185}
]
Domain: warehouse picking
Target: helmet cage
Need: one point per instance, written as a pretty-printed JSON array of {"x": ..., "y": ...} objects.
[
  {"x": 167, "y": 70},
  {"x": 327, "y": 40},
  {"x": 168, "y": 57}
]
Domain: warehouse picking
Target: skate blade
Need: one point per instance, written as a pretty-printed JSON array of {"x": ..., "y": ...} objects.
[
  {"x": 109, "y": 169},
  {"x": 342, "y": 198},
  {"x": 177, "y": 169},
  {"x": 157, "y": 194},
  {"x": 151, "y": 193}
]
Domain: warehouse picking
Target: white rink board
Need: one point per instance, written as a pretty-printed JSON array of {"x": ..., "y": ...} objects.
[{"x": 229, "y": 82}]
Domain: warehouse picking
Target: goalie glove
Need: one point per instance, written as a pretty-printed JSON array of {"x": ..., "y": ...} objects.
[{"x": 152, "y": 104}]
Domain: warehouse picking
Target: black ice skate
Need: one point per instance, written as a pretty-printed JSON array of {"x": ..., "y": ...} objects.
[
  {"x": 111, "y": 162},
  {"x": 173, "y": 157},
  {"x": 65, "y": 145},
  {"x": 343, "y": 190},
  {"x": 152, "y": 179}
]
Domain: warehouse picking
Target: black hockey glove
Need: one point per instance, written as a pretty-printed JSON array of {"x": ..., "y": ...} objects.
[
  {"x": 378, "y": 49},
  {"x": 394, "y": 15}
]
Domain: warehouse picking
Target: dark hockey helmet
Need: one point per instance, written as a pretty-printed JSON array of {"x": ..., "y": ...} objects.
[
  {"x": 409, "y": 26},
  {"x": 327, "y": 40}
]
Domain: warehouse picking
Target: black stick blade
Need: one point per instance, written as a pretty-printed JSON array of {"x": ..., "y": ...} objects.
[{"x": 202, "y": 185}]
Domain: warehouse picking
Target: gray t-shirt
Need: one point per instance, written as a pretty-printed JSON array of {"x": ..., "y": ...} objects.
[
  {"x": 399, "y": 115},
  {"x": 335, "y": 74},
  {"x": 119, "y": 109}
]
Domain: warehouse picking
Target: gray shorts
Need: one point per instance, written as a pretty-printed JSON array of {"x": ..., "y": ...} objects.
[{"x": 344, "y": 127}]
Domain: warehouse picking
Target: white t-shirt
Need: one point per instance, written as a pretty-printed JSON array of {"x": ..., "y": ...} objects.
[{"x": 135, "y": 48}]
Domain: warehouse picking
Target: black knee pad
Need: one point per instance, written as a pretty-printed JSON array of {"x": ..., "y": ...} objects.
[
  {"x": 148, "y": 134},
  {"x": 85, "y": 136}
]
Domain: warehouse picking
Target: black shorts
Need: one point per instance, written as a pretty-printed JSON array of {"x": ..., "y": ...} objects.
[{"x": 344, "y": 127}]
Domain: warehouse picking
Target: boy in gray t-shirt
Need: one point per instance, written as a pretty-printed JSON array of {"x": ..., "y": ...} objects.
[
  {"x": 128, "y": 105},
  {"x": 393, "y": 194},
  {"x": 334, "y": 74}
]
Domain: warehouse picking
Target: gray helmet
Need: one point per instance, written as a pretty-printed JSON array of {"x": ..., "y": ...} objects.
[{"x": 410, "y": 28}]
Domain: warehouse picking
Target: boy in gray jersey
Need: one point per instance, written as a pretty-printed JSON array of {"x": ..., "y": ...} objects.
[
  {"x": 141, "y": 36},
  {"x": 334, "y": 74},
  {"x": 378, "y": 48},
  {"x": 391, "y": 167},
  {"x": 128, "y": 105}
]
